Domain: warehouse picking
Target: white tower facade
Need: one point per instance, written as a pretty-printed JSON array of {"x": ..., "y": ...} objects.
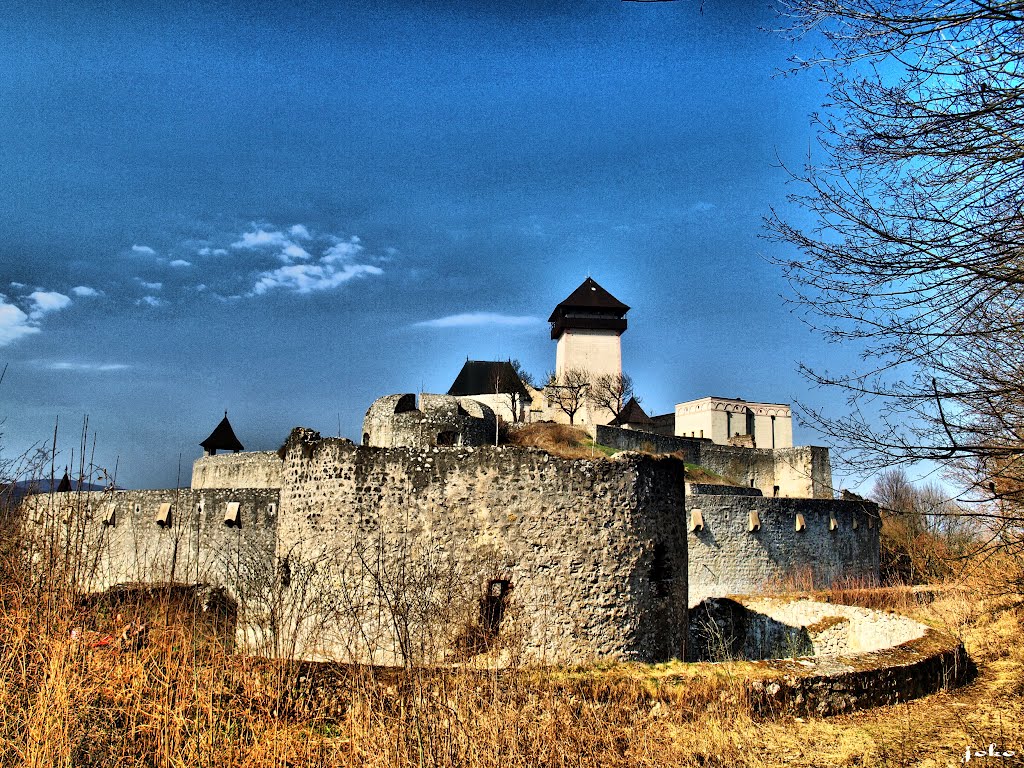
[{"x": 588, "y": 326}]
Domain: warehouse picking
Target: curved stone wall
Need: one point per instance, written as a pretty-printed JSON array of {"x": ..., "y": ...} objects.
[{"x": 838, "y": 657}]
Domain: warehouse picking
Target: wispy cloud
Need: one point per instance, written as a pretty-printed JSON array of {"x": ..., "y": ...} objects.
[
  {"x": 145, "y": 250},
  {"x": 307, "y": 278},
  {"x": 293, "y": 251},
  {"x": 44, "y": 302},
  {"x": 151, "y": 301},
  {"x": 261, "y": 238},
  {"x": 85, "y": 367},
  {"x": 14, "y": 323},
  {"x": 180, "y": 263},
  {"x": 150, "y": 286},
  {"x": 84, "y": 291},
  {"x": 479, "y": 319},
  {"x": 300, "y": 231},
  {"x": 207, "y": 251},
  {"x": 17, "y": 323}
]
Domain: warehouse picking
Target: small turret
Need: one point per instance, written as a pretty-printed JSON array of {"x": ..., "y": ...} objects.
[{"x": 222, "y": 439}]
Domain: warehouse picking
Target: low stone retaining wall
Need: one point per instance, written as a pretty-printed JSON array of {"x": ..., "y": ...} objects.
[{"x": 843, "y": 658}]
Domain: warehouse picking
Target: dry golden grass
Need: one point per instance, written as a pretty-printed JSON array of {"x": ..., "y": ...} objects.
[
  {"x": 183, "y": 699},
  {"x": 560, "y": 440}
]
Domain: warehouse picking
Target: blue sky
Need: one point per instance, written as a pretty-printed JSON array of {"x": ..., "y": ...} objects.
[{"x": 286, "y": 211}]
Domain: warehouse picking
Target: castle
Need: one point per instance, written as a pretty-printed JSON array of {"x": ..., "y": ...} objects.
[{"x": 427, "y": 542}]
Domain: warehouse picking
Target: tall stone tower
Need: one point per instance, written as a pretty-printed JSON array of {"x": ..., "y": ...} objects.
[{"x": 587, "y": 326}]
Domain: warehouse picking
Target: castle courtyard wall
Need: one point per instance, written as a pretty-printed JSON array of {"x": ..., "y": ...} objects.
[
  {"x": 249, "y": 469},
  {"x": 801, "y": 472}
]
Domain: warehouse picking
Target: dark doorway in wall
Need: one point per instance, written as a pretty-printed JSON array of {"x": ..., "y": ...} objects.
[
  {"x": 447, "y": 438},
  {"x": 661, "y": 571},
  {"x": 492, "y": 606},
  {"x": 366, "y": 438}
]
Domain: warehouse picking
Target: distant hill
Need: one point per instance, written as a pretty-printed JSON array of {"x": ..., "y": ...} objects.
[{"x": 23, "y": 488}]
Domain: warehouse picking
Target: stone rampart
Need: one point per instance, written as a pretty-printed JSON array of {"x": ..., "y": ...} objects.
[
  {"x": 838, "y": 543},
  {"x": 803, "y": 472},
  {"x": 118, "y": 537},
  {"x": 250, "y": 469},
  {"x": 430, "y": 551}
]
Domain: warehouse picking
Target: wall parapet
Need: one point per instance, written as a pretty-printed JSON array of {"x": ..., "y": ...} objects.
[{"x": 248, "y": 469}]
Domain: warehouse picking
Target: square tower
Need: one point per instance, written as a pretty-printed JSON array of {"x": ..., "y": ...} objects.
[{"x": 587, "y": 326}]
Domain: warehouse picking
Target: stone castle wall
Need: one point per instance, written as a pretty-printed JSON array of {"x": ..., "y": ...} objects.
[
  {"x": 195, "y": 546},
  {"x": 385, "y": 555},
  {"x": 250, "y": 469},
  {"x": 803, "y": 472},
  {"x": 725, "y": 557},
  {"x": 591, "y": 554}
]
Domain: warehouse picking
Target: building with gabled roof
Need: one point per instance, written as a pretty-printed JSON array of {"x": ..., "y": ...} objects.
[{"x": 496, "y": 384}]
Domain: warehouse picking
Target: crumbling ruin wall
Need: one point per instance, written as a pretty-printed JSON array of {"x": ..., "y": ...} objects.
[{"x": 434, "y": 553}]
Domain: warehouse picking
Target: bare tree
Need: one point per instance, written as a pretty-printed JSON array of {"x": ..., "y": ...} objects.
[
  {"x": 611, "y": 392},
  {"x": 510, "y": 381},
  {"x": 924, "y": 532},
  {"x": 568, "y": 393},
  {"x": 915, "y": 252}
]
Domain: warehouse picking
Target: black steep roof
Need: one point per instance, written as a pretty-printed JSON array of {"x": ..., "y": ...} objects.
[
  {"x": 222, "y": 438},
  {"x": 631, "y": 413},
  {"x": 478, "y": 377},
  {"x": 589, "y": 296}
]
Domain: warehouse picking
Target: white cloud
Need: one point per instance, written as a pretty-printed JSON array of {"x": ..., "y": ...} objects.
[
  {"x": 84, "y": 290},
  {"x": 14, "y": 324},
  {"x": 299, "y": 231},
  {"x": 150, "y": 286},
  {"x": 343, "y": 251},
  {"x": 44, "y": 302},
  {"x": 181, "y": 263},
  {"x": 151, "y": 301},
  {"x": 478, "y": 319},
  {"x": 86, "y": 367},
  {"x": 212, "y": 252},
  {"x": 261, "y": 239},
  {"x": 307, "y": 278},
  {"x": 143, "y": 249},
  {"x": 18, "y": 286},
  {"x": 293, "y": 251}
]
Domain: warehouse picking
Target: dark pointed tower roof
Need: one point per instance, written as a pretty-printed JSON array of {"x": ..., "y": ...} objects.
[
  {"x": 222, "y": 438},
  {"x": 65, "y": 483},
  {"x": 589, "y": 307}
]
